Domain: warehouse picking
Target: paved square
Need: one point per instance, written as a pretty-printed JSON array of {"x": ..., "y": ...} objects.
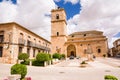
[{"x": 70, "y": 70}]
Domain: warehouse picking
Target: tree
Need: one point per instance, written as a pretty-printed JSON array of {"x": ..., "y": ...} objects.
[
  {"x": 41, "y": 57},
  {"x": 57, "y": 55},
  {"x": 19, "y": 69},
  {"x": 23, "y": 56}
]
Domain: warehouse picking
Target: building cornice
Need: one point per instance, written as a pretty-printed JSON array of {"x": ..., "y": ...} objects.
[
  {"x": 18, "y": 25},
  {"x": 59, "y": 21}
]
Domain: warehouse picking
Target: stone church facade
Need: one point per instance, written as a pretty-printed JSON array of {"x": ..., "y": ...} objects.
[{"x": 78, "y": 43}]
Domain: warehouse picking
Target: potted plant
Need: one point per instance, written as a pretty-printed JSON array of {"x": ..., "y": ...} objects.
[
  {"x": 83, "y": 64},
  {"x": 19, "y": 69},
  {"x": 110, "y": 77},
  {"x": 104, "y": 55}
]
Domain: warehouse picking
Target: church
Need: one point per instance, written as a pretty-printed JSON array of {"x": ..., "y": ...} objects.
[{"x": 77, "y": 44}]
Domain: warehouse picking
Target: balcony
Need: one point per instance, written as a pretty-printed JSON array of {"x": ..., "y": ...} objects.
[
  {"x": 41, "y": 47},
  {"x": 21, "y": 41},
  {"x": 1, "y": 39},
  {"x": 29, "y": 43},
  {"x": 34, "y": 45}
]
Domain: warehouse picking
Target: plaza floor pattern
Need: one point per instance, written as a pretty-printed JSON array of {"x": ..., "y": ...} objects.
[{"x": 70, "y": 70}]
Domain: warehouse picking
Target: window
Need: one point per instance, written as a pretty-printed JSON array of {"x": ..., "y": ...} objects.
[
  {"x": 34, "y": 41},
  {"x": 39, "y": 41},
  {"x": 85, "y": 51},
  {"x": 29, "y": 37},
  {"x": 84, "y": 34},
  {"x": 99, "y": 50},
  {"x": 1, "y": 49},
  {"x": 39, "y": 51},
  {"x": 21, "y": 35},
  {"x": 20, "y": 49},
  {"x": 28, "y": 43},
  {"x": 21, "y": 40},
  {"x": 1, "y": 38},
  {"x": 33, "y": 52},
  {"x": 57, "y": 16},
  {"x": 57, "y": 33},
  {"x": 28, "y": 51},
  {"x": 88, "y": 44},
  {"x": 72, "y": 35}
]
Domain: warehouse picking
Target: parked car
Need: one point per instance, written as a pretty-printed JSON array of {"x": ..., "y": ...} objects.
[
  {"x": 71, "y": 57},
  {"x": 77, "y": 57},
  {"x": 118, "y": 55}
]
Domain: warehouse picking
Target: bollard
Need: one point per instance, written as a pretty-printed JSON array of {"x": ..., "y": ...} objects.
[{"x": 30, "y": 64}]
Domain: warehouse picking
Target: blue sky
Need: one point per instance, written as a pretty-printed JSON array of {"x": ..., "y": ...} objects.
[
  {"x": 71, "y": 9},
  {"x": 13, "y": 1}
]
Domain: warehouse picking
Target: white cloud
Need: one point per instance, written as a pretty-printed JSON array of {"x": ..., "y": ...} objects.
[
  {"x": 8, "y": 11},
  {"x": 98, "y": 15},
  {"x": 31, "y": 14},
  {"x": 72, "y": 1}
]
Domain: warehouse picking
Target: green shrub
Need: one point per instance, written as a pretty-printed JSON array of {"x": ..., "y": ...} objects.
[
  {"x": 83, "y": 62},
  {"x": 63, "y": 56},
  {"x": 23, "y": 56},
  {"x": 110, "y": 77},
  {"x": 49, "y": 56},
  {"x": 37, "y": 63},
  {"x": 25, "y": 62},
  {"x": 19, "y": 69},
  {"x": 41, "y": 57},
  {"x": 57, "y": 56}
]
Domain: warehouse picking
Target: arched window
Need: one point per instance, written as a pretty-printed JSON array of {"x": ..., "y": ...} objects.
[
  {"x": 21, "y": 35},
  {"x": 57, "y": 33},
  {"x": 21, "y": 39},
  {"x": 99, "y": 50},
  {"x": 57, "y": 16}
]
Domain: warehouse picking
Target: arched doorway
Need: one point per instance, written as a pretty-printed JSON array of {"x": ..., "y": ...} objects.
[{"x": 71, "y": 51}]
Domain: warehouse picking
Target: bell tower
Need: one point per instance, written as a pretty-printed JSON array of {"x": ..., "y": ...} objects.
[{"x": 58, "y": 30}]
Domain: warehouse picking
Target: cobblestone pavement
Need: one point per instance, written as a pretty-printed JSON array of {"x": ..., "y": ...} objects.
[
  {"x": 115, "y": 62},
  {"x": 70, "y": 70}
]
